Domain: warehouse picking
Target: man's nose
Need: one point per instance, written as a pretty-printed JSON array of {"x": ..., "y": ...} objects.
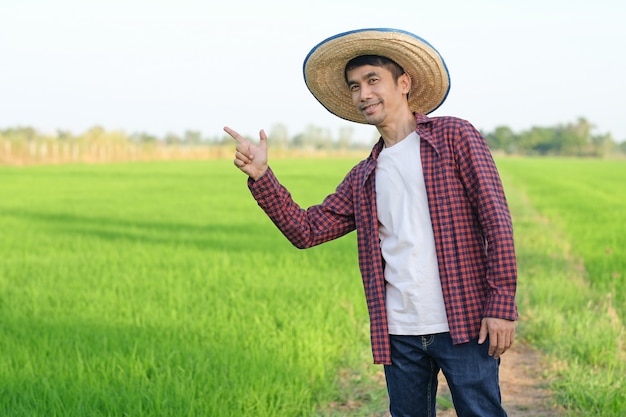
[{"x": 366, "y": 92}]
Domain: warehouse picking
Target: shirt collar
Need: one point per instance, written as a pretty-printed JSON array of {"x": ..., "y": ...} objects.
[{"x": 421, "y": 120}]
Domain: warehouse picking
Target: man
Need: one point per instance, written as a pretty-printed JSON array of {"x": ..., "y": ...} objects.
[{"x": 434, "y": 231}]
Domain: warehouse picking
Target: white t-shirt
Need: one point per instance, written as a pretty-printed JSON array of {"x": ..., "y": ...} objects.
[{"x": 413, "y": 291}]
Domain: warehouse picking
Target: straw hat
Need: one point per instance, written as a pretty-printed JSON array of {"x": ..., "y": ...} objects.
[{"x": 324, "y": 69}]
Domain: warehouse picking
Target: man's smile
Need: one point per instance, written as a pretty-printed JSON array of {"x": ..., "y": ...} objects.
[{"x": 369, "y": 108}]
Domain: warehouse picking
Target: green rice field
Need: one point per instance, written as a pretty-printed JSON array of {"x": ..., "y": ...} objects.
[
  {"x": 161, "y": 289},
  {"x": 570, "y": 227}
]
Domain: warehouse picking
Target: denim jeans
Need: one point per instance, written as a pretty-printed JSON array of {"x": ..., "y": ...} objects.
[{"x": 471, "y": 374}]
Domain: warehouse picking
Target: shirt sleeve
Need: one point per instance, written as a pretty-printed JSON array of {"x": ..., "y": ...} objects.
[
  {"x": 486, "y": 194},
  {"x": 305, "y": 228}
]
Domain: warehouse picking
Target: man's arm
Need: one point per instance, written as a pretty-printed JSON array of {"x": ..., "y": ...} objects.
[
  {"x": 302, "y": 227},
  {"x": 486, "y": 194}
]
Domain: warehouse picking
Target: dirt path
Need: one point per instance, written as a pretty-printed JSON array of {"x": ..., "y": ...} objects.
[{"x": 524, "y": 389}]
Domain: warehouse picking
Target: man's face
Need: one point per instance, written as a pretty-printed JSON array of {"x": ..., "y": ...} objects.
[{"x": 377, "y": 95}]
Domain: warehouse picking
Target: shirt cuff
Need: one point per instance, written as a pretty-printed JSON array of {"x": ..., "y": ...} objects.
[
  {"x": 265, "y": 185},
  {"x": 501, "y": 306}
]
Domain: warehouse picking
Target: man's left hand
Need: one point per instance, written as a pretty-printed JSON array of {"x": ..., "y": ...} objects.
[{"x": 501, "y": 334}]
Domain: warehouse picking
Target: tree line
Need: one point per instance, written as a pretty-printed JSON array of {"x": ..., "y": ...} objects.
[
  {"x": 27, "y": 145},
  {"x": 572, "y": 139}
]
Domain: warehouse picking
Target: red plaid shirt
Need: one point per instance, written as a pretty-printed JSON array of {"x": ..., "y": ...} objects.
[{"x": 470, "y": 217}]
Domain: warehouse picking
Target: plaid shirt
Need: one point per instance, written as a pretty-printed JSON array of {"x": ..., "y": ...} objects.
[{"x": 470, "y": 217}]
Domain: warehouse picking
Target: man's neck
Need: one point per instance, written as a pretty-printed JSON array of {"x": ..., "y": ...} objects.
[{"x": 397, "y": 132}]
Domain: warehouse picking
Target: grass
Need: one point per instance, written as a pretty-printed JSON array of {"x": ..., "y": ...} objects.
[
  {"x": 585, "y": 200},
  {"x": 160, "y": 289},
  {"x": 570, "y": 234}
]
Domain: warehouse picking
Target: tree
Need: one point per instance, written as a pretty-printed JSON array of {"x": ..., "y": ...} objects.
[
  {"x": 192, "y": 137},
  {"x": 502, "y": 138},
  {"x": 346, "y": 134},
  {"x": 20, "y": 134},
  {"x": 602, "y": 144},
  {"x": 279, "y": 136},
  {"x": 314, "y": 137},
  {"x": 96, "y": 134},
  {"x": 172, "y": 139},
  {"x": 142, "y": 137},
  {"x": 576, "y": 137},
  {"x": 64, "y": 135},
  {"x": 537, "y": 140}
]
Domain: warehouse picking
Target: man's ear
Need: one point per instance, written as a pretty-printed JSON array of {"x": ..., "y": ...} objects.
[{"x": 405, "y": 82}]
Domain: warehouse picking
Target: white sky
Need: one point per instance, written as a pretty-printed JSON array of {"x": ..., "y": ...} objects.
[{"x": 161, "y": 66}]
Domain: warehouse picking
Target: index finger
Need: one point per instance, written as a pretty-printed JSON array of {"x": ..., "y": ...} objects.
[{"x": 233, "y": 134}]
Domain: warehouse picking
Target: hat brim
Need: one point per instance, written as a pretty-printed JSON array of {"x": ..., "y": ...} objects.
[{"x": 324, "y": 69}]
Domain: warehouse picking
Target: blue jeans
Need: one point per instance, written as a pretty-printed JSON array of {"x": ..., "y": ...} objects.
[{"x": 471, "y": 374}]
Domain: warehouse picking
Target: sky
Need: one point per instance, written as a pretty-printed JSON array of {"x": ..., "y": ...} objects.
[{"x": 167, "y": 66}]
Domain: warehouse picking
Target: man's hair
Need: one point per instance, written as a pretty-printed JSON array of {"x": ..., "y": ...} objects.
[{"x": 375, "y": 60}]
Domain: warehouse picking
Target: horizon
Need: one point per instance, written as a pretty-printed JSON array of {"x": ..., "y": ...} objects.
[{"x": 167, "y": 67}]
